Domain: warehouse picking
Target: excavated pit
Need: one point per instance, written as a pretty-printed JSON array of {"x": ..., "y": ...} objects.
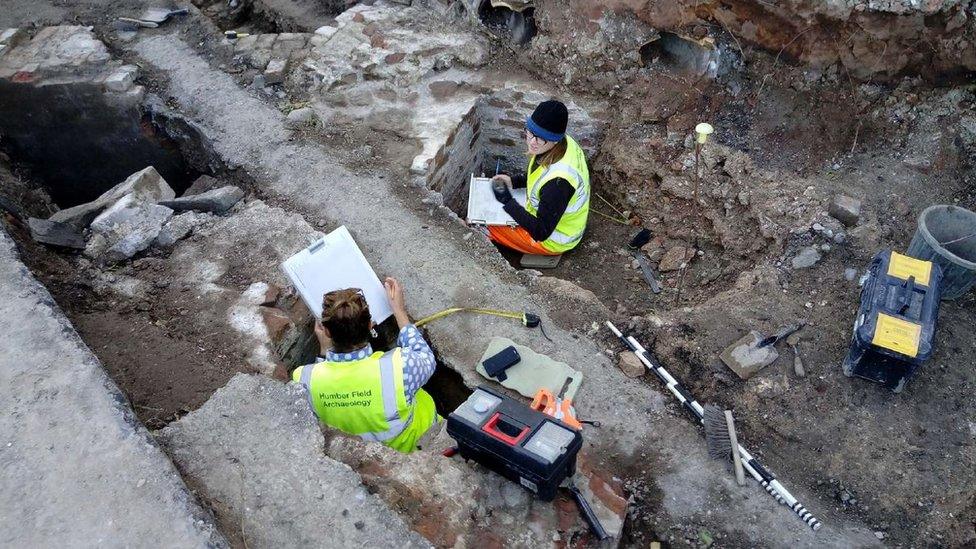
[{"x": 77, "y": 142}]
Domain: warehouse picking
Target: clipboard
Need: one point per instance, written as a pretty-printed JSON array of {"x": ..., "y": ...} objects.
[
  {"x": 483, "y": 209},
  {"x": 335, "y": 262}
]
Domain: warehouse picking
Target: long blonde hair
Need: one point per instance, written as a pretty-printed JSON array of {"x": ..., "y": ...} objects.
[{"x": 553, "y": 155}]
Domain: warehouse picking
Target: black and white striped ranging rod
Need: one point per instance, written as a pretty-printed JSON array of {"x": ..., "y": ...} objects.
[{"x": 751, "y": 465}]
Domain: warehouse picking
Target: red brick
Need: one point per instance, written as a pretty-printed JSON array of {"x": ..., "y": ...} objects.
[
  {"x": 271, "y": 296},
  {"x": 280, "y": 372},
  {"x": 377, "y": 41},
  {"x": 276, "y": 321},
  {"x": 499, "y": 104},
  {"x": 443, "y": 89},
  {"x": 394, "y": 58}
]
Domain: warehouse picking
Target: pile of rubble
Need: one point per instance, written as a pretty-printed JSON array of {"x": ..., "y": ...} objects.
[{"x": 140, "y": 212}]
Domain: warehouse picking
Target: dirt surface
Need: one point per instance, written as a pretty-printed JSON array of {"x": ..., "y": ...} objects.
[{"x": 787, "y": 140}]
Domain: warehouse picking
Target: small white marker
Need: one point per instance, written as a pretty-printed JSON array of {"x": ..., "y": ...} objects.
[{"x": 703, "y": 130}]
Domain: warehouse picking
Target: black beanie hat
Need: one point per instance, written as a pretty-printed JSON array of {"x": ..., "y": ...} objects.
[{"x": 549, "y": 120}]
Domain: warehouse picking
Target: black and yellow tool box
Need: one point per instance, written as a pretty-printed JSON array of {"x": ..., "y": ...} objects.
[
  {"x": 517, "y": 442},
  {"x": 894, "y": 332}
]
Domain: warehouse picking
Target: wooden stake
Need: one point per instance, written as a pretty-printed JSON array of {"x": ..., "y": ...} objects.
[{"x": 740, "y": 477}]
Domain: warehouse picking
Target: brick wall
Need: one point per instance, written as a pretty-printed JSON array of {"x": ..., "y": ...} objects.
[{"x": 493, "y": 131}]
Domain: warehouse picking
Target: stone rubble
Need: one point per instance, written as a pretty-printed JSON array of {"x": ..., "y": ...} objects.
[
  {"x": 179, "y": 227},
  {"x": 147, "y": 185},
  {"x": 845, "y": 209},
  {"x": 215, "y": 201},
  {"x": 806, "y": 258},
  {"x": 57, "y": 234}
]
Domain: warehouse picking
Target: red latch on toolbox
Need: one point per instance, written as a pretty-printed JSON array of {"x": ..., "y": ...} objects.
[{"x": 491, "y": 427}]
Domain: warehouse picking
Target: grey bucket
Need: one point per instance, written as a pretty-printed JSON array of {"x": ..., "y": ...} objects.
[{"x": 947, "y": 235}]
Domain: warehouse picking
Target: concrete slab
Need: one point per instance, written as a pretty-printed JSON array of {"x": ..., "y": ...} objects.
[
  {"x": 78, "y": 469},
  {"x": 256, "y": 447}
]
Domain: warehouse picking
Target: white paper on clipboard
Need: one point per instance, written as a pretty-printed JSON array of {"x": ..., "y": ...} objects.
[
  {"x": 483, "y": 209},
  {"x": 335, "y": 262}
]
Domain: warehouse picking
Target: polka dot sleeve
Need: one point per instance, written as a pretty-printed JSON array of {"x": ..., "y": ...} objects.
[{"x": 418, "y": 360}]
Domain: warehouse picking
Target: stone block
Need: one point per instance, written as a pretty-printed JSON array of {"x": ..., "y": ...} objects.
[
  {"x": 300, "y": 118},
  {"x": 265, "y": 41},
  {"x": 126, "y": 228},
  {"x": 326, "y": 31},
  {"x": 216, "y": 201},
  {"x": 275, "y": 71},
  {"x": 201, "y": 185},
  {"x": 630, "y": 365},
  {"x": 179, "y": 227},
  {"x": 845, "y": 209},
  {"x": 52, "y": 233},
  {"x": 147, "y": 186},
  {"x": 259, "y": 59},
  {"x": 122, "y": 79},
  {"x": 245, "y": 43}
]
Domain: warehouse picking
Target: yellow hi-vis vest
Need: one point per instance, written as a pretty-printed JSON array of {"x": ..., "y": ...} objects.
[
  {"x": 366, "y": 398},
  {"x": 572, "y": 168}
]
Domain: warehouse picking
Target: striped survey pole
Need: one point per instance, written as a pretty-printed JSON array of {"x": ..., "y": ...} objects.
[{"x": 749, "y": 463}]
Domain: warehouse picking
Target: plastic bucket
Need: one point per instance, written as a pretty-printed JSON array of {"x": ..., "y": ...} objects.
[{"x": 947, "y": 235}]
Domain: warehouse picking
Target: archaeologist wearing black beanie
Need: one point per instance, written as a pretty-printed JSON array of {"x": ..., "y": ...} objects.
[{"x": 557, "y": 186}]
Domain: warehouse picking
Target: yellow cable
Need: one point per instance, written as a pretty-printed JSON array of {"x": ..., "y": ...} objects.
[{"x": 493, "y": 312}]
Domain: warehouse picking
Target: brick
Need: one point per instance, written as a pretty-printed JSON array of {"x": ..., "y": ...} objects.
[
  {"x": 271, "y": 295},
  {"x": 443, "y": 89},
  {"x": 377, "y": 41},
  {"x": 502, "y": 141},
  {"x": 394, "y": 58},
  {"x": 358, "y": 18},
  {"x": 499, "y": 104},
  {"x": 276, "y": 322}
]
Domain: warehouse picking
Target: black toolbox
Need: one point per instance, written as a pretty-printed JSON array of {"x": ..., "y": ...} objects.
[
  {"x": 894, "y": 332},
  {"x": 517, "y": 442}
]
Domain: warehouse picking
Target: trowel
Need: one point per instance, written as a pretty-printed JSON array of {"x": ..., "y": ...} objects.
[
  {"x": 753, "y": 352},
  {"x": 641, "y": 238}
]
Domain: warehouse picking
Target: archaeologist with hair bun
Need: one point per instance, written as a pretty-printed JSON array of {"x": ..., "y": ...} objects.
[
  {"x": 374, "y": 395},
  {"x": 557, "y": 184}
]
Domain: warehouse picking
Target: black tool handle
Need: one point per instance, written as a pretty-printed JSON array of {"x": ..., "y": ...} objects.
[{"x": 588, "y": 514}]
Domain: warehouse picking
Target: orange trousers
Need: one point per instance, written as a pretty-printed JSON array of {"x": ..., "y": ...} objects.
[{"x": 518, "y": 239}]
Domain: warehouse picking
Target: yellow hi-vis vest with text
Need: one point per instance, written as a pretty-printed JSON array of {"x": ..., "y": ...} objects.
[
  {"x": 366, "y": 398},
  {"x": 572, "y": 168}
]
